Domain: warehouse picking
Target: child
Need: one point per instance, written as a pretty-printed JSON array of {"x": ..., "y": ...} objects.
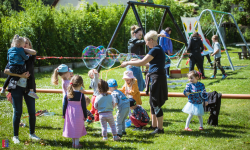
[
  {"x": 194, "y": 105},
  {"x": 139, "y": 117},
  {"x": 89, "y": 114},
  {"x": 94, "y": 75},
  {"x": 74, "y": 112},
  {"x": 138, "y": 75},
  {"x": 16, "y": 57},
  {"x": 130, "y": 88},
  {"x": 122, "y": 103},
  {"x": 217, "y": 56},
  {"x": 104, "y": 104},
  {"x": 64, "y": 72}
]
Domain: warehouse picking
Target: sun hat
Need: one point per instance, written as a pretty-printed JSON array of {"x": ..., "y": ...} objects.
[
  {"x": 64, "y": 68},
  {"x": 112, "y": 83},
  {"x": 132, "y": 102},
  {"x": 128, "y": 75}
]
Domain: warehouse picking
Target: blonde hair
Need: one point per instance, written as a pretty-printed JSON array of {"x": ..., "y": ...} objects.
[
  {"x": 75, "y": 82},
  {"x": 215, "y": 37},
  {"x": 91, "y": 72},
  {"x": 54, "y": 78},
  {"x": 30, "y": 44},
  {"x": 132, "y": 82},
  {"x": 151, "y": 35},
  {"x": 17, "y": 40},
  {"x": 87, "y": 99},
  {"x": 133, "y": 28}
]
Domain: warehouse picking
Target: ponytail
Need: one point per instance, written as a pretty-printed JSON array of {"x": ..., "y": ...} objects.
[
  {"x": 71, "y": 92},
  {"x": 54, "y": 78}
]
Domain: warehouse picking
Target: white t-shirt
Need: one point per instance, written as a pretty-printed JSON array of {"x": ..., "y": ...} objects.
[{"x": 216, "y": 47}]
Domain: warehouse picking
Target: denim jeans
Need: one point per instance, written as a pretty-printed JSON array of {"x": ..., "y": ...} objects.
[{"x": 17, "y": 98}]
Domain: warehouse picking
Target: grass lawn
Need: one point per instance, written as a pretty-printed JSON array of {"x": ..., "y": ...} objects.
[{"x": 233, "y": 131}]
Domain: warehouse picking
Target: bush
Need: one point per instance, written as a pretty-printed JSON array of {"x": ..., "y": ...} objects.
[{"x": 67, "y": 31}]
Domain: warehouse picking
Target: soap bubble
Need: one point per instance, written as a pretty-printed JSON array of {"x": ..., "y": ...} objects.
[
  {"x": 111, "y": 57},
  {"x": 92, "y": 56},
  {"x": 127, "y": 57}
]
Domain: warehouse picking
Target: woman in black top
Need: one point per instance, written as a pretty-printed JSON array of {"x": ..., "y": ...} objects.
[
  {"x": 195, "y": 47},
  {"x": 156, "y": 72},
  {"x": 135, "y": 44}
]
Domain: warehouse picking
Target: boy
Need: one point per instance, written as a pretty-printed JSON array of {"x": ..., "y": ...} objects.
[
  {"x": 217, "y": 56},
  {"x": 139, "y": 117},
  {"x": 94, "y": 75},
  {"x": 122, "y": 103}
]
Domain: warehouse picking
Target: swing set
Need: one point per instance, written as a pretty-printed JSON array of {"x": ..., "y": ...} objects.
[{"x": 149, "y": 3}]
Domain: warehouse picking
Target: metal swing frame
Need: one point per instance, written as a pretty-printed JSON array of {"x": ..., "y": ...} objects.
[
  {"x": 132, "y": 4},
  {"x": 218, "y": 31}
]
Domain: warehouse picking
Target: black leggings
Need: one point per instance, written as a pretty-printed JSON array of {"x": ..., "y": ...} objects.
[
  {"x": 6, "y": 83},
  {"x": 160, "y": 113}
]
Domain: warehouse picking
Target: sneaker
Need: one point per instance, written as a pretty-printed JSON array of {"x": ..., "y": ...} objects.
[
  {"x": 157, "y": 131},
  {"x": 119, "y": 135},
  {"x": 188, "y": 129},
  {"x": 224, "y": 76},
  {"x": 168, "y": 76},
  {"x": 3, "y": 92},
  {"x": 116, "y": 138},
  {"x": 124, "y": 133},
  {"x": 137, "y": 129},
  {"x": 33, "y": 94},
  {"x": 105, "y": 138},
  {"x": 15, "y": 139},
  {"x": 203, "y": 77},
  {"x": 201, "y": 128},
  {"x": 34, "y": 137},
  {"x": 213, "y": 77},
  {"x": 78, "y": 146},
  {"x": 152, "y": 128}
]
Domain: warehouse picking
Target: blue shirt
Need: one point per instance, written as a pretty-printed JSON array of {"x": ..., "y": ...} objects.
[
  {"x": 104, "y": 103},
  {"x": 217, "y": 47},
  {"x": 166, "y": 43},
  {"x": 158, "y": 62},
  {"x": 120, "y": 99},
  {"x": 196, "y": 97},
  {"x": 16, "y": 56}
]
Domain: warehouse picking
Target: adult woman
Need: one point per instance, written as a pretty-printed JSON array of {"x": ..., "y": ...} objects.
[
  {"x": 195, "y": 47},
  {"x": 18, "y": 91},
  {"x": 156, "y": 72},
  {"x": 135, "y": 44}
]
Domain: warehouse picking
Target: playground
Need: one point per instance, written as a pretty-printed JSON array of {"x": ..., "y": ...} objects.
[{"x": 232, "y": 131}]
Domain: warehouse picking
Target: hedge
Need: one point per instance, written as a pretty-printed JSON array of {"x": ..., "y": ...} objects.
[{"x": 67, "y": 31}]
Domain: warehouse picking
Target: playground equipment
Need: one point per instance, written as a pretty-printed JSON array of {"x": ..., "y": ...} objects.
[
  {"x": 132, "y": 4},
  {"x": 193, "y": 24}
]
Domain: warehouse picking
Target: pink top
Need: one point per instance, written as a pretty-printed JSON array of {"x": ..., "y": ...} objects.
[{"x": 65, "y": 84}]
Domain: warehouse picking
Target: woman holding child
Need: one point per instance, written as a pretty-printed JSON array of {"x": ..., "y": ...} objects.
[{"x": 156, "y": 72}]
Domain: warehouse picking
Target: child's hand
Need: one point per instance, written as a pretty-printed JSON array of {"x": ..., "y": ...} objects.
[
  {"x": 82, "y": 91},
  {"x": 187, "y": 93},
  {"x": 132, "y": 114},
  {"x": 126, "y": 92},
  {"x": 206, "y": 103},
  {"x": 95, "y": 71}
]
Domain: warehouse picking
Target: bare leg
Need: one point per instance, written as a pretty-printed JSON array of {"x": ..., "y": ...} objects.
[
  {"x": 154, "y": 120},
  {"x": 160, "y": 122}
]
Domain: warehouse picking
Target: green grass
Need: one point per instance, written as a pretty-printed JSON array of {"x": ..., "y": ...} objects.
[{"x": 233, "y": 131}]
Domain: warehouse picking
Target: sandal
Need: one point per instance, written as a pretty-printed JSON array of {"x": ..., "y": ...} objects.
[
  {"x": 201, "y": 128},
  {"x": 188, "y": 129}
]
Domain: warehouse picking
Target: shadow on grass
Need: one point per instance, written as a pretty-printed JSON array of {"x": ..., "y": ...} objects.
[
  {"x": 233, "y": 126},
  {"x": 47, "y": 128},
  {"x": 171, "y": 110},
  {"x": 216, "y": 81},
  {"x": 86, "y": 144}
]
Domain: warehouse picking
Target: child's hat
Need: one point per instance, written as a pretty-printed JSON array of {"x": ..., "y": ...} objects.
[
  {"x": 112, "y": 83},
  {"x": 128, "y": 75},
  {"x": 64, "y": 68},
  {"x": 132, "y": 102}
]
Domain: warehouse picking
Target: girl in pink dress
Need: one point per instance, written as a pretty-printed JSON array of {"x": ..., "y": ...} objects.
[{"x": 74, "y": 111}]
